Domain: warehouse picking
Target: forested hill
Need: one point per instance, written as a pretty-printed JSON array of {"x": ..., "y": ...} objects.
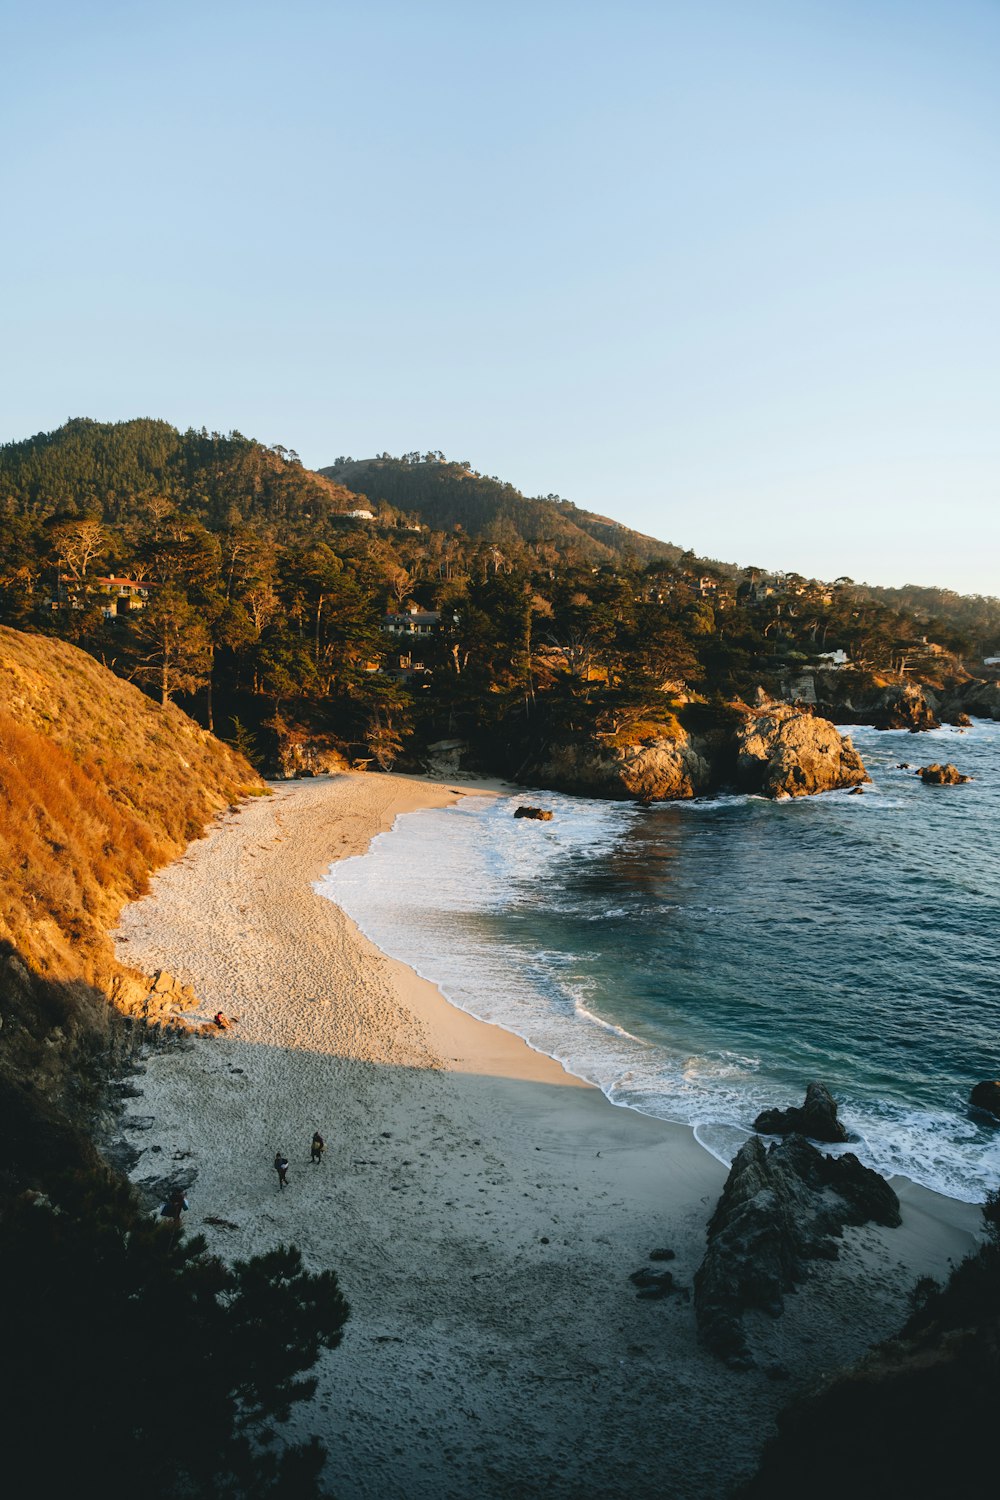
[
  {"x": 445, "y": 495},
  {"x": 108, "y": 469},
  {"x": 383, "y": 606}
]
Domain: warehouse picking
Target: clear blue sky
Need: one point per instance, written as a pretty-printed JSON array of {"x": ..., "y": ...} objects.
[{"x": 729, "y": 272}]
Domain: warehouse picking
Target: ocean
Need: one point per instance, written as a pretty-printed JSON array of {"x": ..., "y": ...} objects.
[{"x": 701, "y": 961}]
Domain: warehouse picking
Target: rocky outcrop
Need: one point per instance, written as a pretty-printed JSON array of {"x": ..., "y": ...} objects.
[
  {"x": 783, "y": 752},
  {"x": 780, "y": 1209},
  {"x": 816, "y": 1119},
  {"x": 444, "y": 757},
  {"x": 986, "y": 1096},
  {"x": 976, "y": 697},
  {"x": 153, "y": 999},
  {"x": 904, "y": 705},
  {"x": 772, "y": 749},
  {"x": 653, "y": 770},
  {"x": 539, "y": 814},
  {"x": 853, "y": 697},
  {"x": 307, "y": 757},
  {"x": 652, "y": 1285},
  {"x": 938, "y": 775}
]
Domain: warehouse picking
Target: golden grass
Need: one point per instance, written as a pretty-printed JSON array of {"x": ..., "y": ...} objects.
[
  {"x": 98, "y": 787},
  {"x": 642, "y": 731}
]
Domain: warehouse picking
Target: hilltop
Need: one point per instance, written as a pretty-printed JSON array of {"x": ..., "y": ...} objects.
[{"x": 445, "y": 495}]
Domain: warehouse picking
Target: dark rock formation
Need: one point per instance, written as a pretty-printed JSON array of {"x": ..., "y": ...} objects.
[
  {"x": 904, "y": 706},
  {"x": 977, "y": 697},
  {"x": 783, "y": 752},
  {"x": 937, "y": 775},
  {"x": 987, "y": 1096},
  {"x": 780, "y": 1208},
  {"x": 540, "y": 814},
  {"x": 817, "y": 1118},
  {"x": 153, "y": 1191},
  {"x": 946, "y": 695},
  {"x": 445, "y": 757}
]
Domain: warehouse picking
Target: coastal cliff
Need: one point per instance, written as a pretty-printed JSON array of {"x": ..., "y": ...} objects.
[
  {"x": 917, "y": 704},
  {"x": 782, "y": 752},
  {"x": 657, "y": 768}
]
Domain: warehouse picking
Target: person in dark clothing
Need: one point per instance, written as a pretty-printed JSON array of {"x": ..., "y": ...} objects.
[
  {"x": 281, "y": 1167},
  {"x": 317, "y": 1149},
  {"x": 175, "y": 1206}
]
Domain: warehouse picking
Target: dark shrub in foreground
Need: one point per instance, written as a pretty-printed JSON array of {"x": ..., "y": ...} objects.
[{"x": 135, "y": 1363}]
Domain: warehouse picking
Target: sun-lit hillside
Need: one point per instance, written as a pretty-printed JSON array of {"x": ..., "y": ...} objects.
[{"x": 101, "y": 785}]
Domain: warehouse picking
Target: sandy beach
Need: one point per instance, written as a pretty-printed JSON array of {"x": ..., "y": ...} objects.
[{"x": 482, "y": 1208}]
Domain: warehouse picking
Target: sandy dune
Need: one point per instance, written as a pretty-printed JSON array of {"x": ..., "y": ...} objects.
[{"x": 482, "y": 1208}]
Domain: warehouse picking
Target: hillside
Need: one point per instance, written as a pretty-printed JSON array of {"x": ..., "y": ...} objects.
[
  {"x": 445, "y": 495},
  {"x": 101, "y": 786},
  {"x": 119, "y": 471},
  {"x": 367, "y": 613}
]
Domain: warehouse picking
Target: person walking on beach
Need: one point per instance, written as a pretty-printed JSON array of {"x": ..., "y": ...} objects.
[
  {"x": 317, "y": 1148},
  {"x": 175, "y": 1206},
  {"x": 281, "y": 1167}
]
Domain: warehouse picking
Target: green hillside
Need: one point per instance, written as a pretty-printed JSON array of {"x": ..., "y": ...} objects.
[
  {"x": 118, "y": 470},
  {"x": 275, "y": 604},
  {"x": 445, "y": 495}
]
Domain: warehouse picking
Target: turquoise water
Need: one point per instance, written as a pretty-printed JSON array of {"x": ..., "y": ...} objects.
[{"x": 701, "y": 961}]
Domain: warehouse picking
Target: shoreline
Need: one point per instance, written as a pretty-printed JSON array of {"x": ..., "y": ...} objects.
[
  {"x": 723, "y": 1136},
  {"x": 482, "y": 1206}
]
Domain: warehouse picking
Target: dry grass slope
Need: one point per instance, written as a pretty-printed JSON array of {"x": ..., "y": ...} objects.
[{"x": 99, "y": 786}]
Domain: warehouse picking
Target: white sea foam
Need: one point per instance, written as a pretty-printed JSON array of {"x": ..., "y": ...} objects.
[{"x": 457, "y": 893}]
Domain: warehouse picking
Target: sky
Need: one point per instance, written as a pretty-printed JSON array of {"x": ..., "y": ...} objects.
[{"x": 726, "y": 272}]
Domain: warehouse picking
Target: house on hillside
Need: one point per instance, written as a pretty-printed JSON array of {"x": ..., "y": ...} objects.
[
  {"x": 755, "y": 591},
  {"x": 411, "y": 621},
  {"x": 116, "y": 596},
  {"x": 123, "y": 596}
]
